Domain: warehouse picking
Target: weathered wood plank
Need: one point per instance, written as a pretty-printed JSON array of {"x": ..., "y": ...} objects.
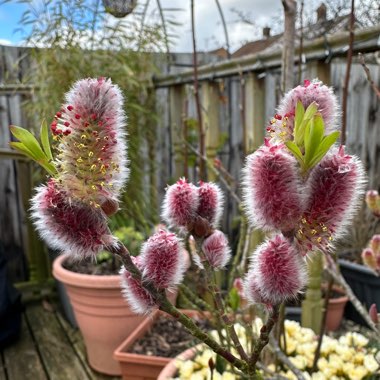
[
  {"x": 58, "y": 356},
  {"x": 23, "y": 351},
  {"x": 76, "y": 340}
]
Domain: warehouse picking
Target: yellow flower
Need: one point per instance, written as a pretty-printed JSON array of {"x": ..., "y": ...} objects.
[
  {"x": 186, "y": 368},
  {"x": 358, "y": 373},
  {"x": 318, "y": 376},
  {"x": 371, "y": 364}
]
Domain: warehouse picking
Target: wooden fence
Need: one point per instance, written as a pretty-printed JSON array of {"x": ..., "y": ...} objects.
[{"x": 238, "y": 98}]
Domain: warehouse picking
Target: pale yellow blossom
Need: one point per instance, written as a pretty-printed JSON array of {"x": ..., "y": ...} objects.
[{"x": 371, "y": 364}]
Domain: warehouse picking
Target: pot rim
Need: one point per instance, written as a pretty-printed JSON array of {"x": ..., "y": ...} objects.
[{"x": 83, "y": 280}]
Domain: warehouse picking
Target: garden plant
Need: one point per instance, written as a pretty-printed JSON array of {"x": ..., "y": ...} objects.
[{"x": 299, "y": 187}]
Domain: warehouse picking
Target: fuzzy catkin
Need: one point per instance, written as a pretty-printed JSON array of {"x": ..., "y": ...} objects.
[
  {"x": 69, "y": 225},
  {"x": 309, "y": 92},
  {"x": 163, "y": 260},
  {"x": 272, "y": 191},
  {"x": 90, "y": 129},
  {"x": 210, "y": 202},
  {"x": 180, "y": 204},
  {"x": 138, "y": 298},
  {"x": 217, "y": 250},
  {"x": 336, "y": 186},
  {"x": 277, "y": 272}
]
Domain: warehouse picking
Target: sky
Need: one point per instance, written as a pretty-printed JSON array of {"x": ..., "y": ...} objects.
[{"x": 209, "y": 31}]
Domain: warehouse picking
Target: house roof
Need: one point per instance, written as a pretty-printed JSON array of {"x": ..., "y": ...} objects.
[{"x": 310, "y": 32}]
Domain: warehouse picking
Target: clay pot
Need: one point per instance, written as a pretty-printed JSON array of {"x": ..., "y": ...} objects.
[
  {"x": 103, "y": 316},
  {"x": 143, "y": 367},
  {"x": 170, "y": 370},
  {"x": 335, "y": 310}
]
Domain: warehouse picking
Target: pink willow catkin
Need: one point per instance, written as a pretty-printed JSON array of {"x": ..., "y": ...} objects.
[
  {"x": 281, "y": 125},
  {"x": 185, "y": 203},
  {"x": 272, "y": 189},
  {"x": 163, "y": 260},
  {"x": 277, "y": 272},
  {"x": 336, "y": 186},
  {"x": 90, "y": 128},
  {"x": 70, "y": 213},
  {"x": 139, "y": 299}
]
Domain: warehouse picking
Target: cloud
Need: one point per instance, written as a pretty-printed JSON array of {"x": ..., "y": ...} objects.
[{"x": 5, "y": 42}]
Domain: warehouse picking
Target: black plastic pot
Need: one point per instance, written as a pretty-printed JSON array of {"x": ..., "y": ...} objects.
[{"x": 366, "y": 286}]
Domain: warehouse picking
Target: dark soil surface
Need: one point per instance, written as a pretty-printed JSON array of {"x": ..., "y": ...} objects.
[
  {"x": 167, "y": 338},
  {"x": 89, "y": 266}
]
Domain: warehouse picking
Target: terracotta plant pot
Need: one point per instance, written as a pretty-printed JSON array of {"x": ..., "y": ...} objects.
[
  {"x": 170, "y": 370},
  {"x": 103, "y": 316},
  {"x": 335, "y": 310},
  {"x": 142, "y": 367}
]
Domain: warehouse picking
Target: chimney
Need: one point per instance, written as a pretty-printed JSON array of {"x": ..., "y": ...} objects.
[
  {"x": 266, "y": 32},
  {"x": 322, "y": 13}
]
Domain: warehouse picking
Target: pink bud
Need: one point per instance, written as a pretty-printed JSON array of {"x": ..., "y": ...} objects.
[
  {"x": 336, "y": 186},
  {"x": 373, "y": 201},
  {"x": 369, "y": 258},
  {"x": 375, "y": 244},
  {"x": 210, "y": 202},
  {"x": 180, "y": 204},
  {"x": 276, "y": 273},
  {"x": 216, "y": 249},
  {"x": 252, "y": 291},
  {"x": 373, "y": 313},
  {"x": 239, "y": 286},
  {"x": 316, "y": 92},
  {"x": 92, "y": 157},
  {"x": 163, "y": 260},
  {"x": 272, "y": 189},
  {"x": 69, "y": 225},
  {"x": 139, "y": 299}
]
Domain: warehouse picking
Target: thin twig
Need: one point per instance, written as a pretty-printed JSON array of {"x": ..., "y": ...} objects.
[
  {"x": 265, "y": 331},
  {"x": 347, "y": 77},
  {"x": 219, "y": 303},
  {"x": 202, "y": 149},
  {"x": 369, "y": 77},
  {"x": 224, "y": 28},
  {"x": 284, "y": 359},
  {"x": 338, "y": 277},
  {"x": 215, "y": 171}
]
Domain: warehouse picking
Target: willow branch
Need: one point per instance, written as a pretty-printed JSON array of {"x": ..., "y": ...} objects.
[
  {"x": 369, "y": 76},
  {"x": 347, "y": 77},
  {"x": 284, "y": 359},
  {"x": 215, "y": 171},
  {"x": 202, "y": 166},
  {"x": 337, "y": 276},
  {"x": 264, "y": 335}
]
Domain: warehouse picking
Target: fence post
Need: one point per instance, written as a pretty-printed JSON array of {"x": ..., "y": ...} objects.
[
  {"x": 254, "y": 128},
  {"x": 177, "y": 96},
  {"x": 210, "y": 117}
]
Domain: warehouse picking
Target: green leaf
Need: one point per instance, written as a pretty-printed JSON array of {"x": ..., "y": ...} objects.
[
  {"x": 324, "y": 147},
  {"x": 309, "y": 114},
  {"x": 22, "y": 149},
  {"x": 234, "y": 299},
  {"x": 300, "y": 111},
  {"x": 29, "y": 141},
  {"x": 221, "y": 364},
  {"x": 296, "y": 151},
  {"x": 44, "y": 135},
  {"x": 310, "y": 111},
  {"x": 313, "y": 137}
]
